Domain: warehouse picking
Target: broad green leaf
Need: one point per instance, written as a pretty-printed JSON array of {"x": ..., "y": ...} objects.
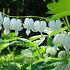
[
  {"x": 54, "y": 7},
  {"x": 60, "y": 9},
  {"x": 59, "y": 15},
  {"x": 60, "y": 6}
]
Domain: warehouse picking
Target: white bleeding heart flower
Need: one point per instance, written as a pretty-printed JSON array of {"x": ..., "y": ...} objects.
[
  {"x": 16, "y": 24},
  {"x": 57, "y": 39},
  {"x": 29, "y": 25},
  {"x": 1, "y": 20},
  {"x": 51, "y": 51},
  {"x": 63, "y": 54},
  {"x": 40, "y": 26},
  {"x": 6, "y": 25},
  {"x": 55, "y": 25},
  {"x": 64, "y": 39}
]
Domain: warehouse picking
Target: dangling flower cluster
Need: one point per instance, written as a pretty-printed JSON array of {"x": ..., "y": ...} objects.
[
  {"x": 13, "y": 24},
  {"x": 64, "y": 39},
  {"x": 29, "y": 24},
  {"x": 16, "y": 25}
]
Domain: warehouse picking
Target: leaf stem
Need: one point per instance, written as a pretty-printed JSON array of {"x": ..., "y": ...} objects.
[{"x": 67, "y": 23}]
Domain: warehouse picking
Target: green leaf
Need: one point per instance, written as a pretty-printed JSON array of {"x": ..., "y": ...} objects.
[
  {"x": 12, "y": 66},
  {"x": 51, "y": 33},
  {"x": 60, "y": 6},
  {"x": 40, "y": 41},
  {"x": 62, "y": 65},
  {"x": 54, "y": 7},
  {"x": 60, "y": 9},
  {"x": 59, "y": 15},
  {"x": 33, "y": 38}
]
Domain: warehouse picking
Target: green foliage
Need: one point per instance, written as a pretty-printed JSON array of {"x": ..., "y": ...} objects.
[
  {"x": 62, "y": 65},
  {"x": 60, "y": 9},
  {"x": 33, "y": 55}
]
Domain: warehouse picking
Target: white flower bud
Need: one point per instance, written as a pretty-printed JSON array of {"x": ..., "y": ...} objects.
[
  {"x": 51, "y": 51},
  {"x": 63, "y": 54}
]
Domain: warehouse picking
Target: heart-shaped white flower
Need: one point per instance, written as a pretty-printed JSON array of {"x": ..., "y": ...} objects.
[
  {"x": 16, "y": 24},
  {"x": 64, "y": 39},
  {"x": 55, "y": 25},
  {"x": 6, "y": 25},
  {"x": 29, "y": 25},
  {"x": 39, "y": 26}
]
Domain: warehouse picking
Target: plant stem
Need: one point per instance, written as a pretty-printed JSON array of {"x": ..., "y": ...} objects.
[
  {"x": 42, "y": 18},
  {"x": 67, "y": 23}
]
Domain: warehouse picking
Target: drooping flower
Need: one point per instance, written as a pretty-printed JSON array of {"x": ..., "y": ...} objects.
[
  {"x": 39, "y": 26},
  {"x": 64, "y": 39},
  {"x": 63, "y": 54},
  {"x": 57, "y": 39},
  {"x": 16, "y": 24},
  {"x": 1, "y": 20},
  {"x": 55, "y": 25},
  {"x": 51, "y": 51},
  {"x": 6, "y": 25},
  {"x": 29, "y": 25}
]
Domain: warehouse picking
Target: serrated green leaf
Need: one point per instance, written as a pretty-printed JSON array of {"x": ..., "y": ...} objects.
[{"x": 60, "y": 9}]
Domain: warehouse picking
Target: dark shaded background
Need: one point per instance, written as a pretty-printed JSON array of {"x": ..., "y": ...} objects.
[{"x": 25, "y": 7}]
